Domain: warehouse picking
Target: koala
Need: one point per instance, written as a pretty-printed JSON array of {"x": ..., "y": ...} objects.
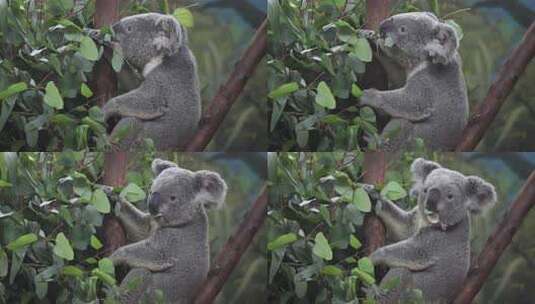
[
  {"x": 166, "y": 106},
  {"x": 432, "y": 241},
  {"x": 170, "y": 250},
  {"x": 432, "y": 104}
]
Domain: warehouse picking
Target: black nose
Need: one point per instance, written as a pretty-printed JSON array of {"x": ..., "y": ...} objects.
[
  {"x": 386, "y": 26},
  {"x": 116, "y": 27},
  {"x": 433, "y": 196},
  {"x": 154, "y": 203}
]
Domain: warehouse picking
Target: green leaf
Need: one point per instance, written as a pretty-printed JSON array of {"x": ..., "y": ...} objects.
[
  {"x": 22, "y": 241},
  {"x": 365, "y": 264},
  {"x": 184, "y": 16},
  {"x": 356, "y": 91},
  {"x": 72, "y": 271},
  {"x": 366, "y": 277},
  {"x": 331, "y": 270},
  {"x": 4, "y": 184},
  {"x": 282, "y": 241},
  {"x": 95, "y": 242},
  {"x": 52, "y": 96},
  {"x": 106, "y": 278},
  {"x": 63, "y": 248},
  {"x": 100, "y": 201},
  {"x": 324, "y": 96},
  {"x": 86, "y": 91},
  {"x": 362, "y": 50},
  {"x": 88, "y": 49},
  {"x": 13, "y": 89},
  {"x": 284, "y": 90},
  {"x": 106, "y": 265},
  {"x": 362, "y": 200},
  {"x": 117, "y": 60},
  {"x": 354, "y": 242},
  {"x": 393, "y": 191},
  {"x": 321, "y": 247},
  {"x": 132, "y": 193}
]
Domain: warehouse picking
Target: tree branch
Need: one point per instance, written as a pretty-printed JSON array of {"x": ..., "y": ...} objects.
[
  {"x": 497, "y": 242},
  {"x": 485, "y": 113},
  {"x": 229, "y": 92},
  {"x": 374, "y": 173},
  {"x": 230, "y": 254}
]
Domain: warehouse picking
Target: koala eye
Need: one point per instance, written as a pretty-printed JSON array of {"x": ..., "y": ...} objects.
[
  {"x": 129, "y": 28},
  {"x": 173, "y": 198},
  {"x": 402, "y": 29},
  {"x": 425, "y": 190},
  {"x": 450, "y": 197}
]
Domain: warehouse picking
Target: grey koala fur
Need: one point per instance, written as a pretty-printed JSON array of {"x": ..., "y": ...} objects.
[
  {"x": 166, "y": 107},
  {"x": 170, "y": 250},
  {"x": 432, "y": 249},
  {"x": 432, "y": 104}
]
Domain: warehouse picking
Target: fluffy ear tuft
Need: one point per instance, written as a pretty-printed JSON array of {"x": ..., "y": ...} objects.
[
  {"x": 420, "y": 169},
  {"x": 441, "y": 49},
  {"x": 158, "y": 165},
  {"x": 212, "y": 188},
  {"x": 171, "y": 38},
  {"x": 480, "y": 194}
]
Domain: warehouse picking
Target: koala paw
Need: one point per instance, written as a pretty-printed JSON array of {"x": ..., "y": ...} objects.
[
  {"x": 372, "y": 191},
  {"x": 369, "y": 98}
]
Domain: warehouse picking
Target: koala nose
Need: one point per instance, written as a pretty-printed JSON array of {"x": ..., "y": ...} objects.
[
  {"x": 433, "y": 196},
  {"x": 154, "y": 203},
  {"x": 116, "y": 27},
  {"x": 385, "y": 26}
]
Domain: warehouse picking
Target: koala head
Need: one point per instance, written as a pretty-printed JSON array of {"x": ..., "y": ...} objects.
[
  {"x": 411, "y": 38},
  {"x": 146, "y": 36},
  {"x": 445, "y": 197},
  {"x": 179, "y": 196}
]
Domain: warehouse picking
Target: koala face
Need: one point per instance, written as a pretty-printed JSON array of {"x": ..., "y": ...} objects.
[
  {"x": 415, "y": 37},
  {"x": 445, "y": 197},
  {"x": 146, "y": 36},
  {"x": 178, "y": 196}
]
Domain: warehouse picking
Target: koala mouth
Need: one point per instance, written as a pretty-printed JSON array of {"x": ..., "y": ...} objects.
[{"x": 432, "y": 216}]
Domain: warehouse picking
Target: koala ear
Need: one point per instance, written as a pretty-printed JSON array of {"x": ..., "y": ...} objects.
[
  {"x": 158, "y": 165},
  {"x": 443, "y": 45},
  {"x": 480, "y": 194},
  {"x": 171, "y": 38},
  {"x": 212, "y": 189},
  {"x": 420, "y": 169}
]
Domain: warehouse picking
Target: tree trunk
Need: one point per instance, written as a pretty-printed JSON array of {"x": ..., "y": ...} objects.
[{"x": 374, "y": 173}]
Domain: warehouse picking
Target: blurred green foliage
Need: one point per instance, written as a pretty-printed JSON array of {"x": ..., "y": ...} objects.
[
  {"x": 46, "y": 59},
  {"x": 46, "y": 66},
  {"x": 51, "y": 212},
  {"x": 316, "y": 61}
]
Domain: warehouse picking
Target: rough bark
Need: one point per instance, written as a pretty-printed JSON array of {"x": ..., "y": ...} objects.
[
  {"x": 105, "y": 87},
  {"x": 230, "y": 254},
  {"x": 498, "y": 242},
  {"x": 374, "y": 173},
  {"x": 229, "y": 92},
  {"x": 511, "y": 70}
]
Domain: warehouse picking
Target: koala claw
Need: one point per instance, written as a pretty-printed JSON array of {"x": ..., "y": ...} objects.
[{"x": 372, "y": 191}]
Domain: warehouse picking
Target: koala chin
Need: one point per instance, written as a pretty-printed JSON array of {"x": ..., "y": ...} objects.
[
  {"x": 432, "y": 242},
  {"x": 166, "y": 107},
  {"x": 170, "y": 250},
  {"x": 431, "y": 103}
]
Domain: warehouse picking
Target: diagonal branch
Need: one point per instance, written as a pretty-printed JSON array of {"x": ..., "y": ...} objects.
[
  {"x": 498, "y": 242},
  {"x": 485, "y": 113},
  {"x": 229, "y": 92},
  {"x": 230, "y": 254}
]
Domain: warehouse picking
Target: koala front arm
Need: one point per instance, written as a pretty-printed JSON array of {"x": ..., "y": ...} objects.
[
  {"x": 140, "y": 255},
  {"x": 400, "y": 223},
  {"x": 405, "y": 254},
  {"x": 133, "y": 104},
  {"x": 135, "y": 221},
  {"x": 411, "y": 102}
]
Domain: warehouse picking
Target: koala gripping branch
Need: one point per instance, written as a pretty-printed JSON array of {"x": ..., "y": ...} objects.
[
  {"x": 498, "y": 242},
  {"x": 229, "y": 92},
  {"x": 485, "y": 113},
  {"x": 235, "y": 247}
]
